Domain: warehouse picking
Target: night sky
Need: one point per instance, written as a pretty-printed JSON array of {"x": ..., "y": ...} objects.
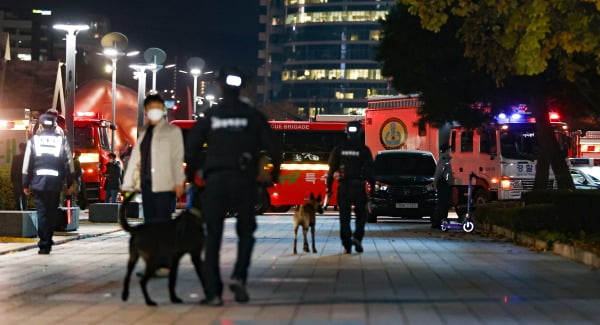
[{"x": 222, "y": 32}]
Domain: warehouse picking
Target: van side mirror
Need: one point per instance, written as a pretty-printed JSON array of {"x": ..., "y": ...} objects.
[{"x": 113, "y": 127}]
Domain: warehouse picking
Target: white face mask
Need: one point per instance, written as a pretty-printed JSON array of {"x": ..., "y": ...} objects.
[{"x": 154, "y": 114}]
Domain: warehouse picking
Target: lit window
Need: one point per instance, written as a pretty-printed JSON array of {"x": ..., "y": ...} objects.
[
  {"x": 375, "y": 35},
  {"x": 335, "y": 16},
  {"x": 334, "y": 74}
]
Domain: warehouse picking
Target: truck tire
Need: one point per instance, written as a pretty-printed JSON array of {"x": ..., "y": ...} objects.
[{"x": 481, "y": 196}]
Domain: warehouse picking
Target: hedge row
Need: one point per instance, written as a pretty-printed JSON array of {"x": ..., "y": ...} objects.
[
  {"x": 7, "y": 199},
  {"x": 560, "y": 211}
]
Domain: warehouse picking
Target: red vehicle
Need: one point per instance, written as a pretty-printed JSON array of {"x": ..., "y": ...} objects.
[
  {"x": 91, "y": 138},
  {"x": 306, "y": 149}
]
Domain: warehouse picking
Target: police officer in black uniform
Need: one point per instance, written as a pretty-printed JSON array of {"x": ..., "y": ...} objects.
[
  {"x": 353, "y": 162},
  {"x": 224, "y": 148},
  {"x": 47, "y": 163}
]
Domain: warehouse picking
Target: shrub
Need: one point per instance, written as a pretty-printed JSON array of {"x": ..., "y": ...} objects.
[
  {"x": 571, "y": 212},
  {"x": 7, "y": 199}
]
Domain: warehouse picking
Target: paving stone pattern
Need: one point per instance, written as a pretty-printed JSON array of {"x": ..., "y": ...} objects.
[{"x": 408, "y": 274}]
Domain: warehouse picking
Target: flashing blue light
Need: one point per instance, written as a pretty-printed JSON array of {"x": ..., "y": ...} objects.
[
  {"x": 515, "y": 117},
  {"x": 502, "y": 116}
]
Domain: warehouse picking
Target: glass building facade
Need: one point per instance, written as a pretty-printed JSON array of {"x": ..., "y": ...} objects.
[{"x": 319, "y": 54}]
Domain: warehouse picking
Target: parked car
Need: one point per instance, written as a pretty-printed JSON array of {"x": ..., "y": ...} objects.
[
  {"x": 586, "y": 178},
  {"x": 403, "y": 185}
]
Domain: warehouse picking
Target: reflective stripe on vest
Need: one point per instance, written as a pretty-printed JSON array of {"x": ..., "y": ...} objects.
[
  {"x": 47, "y": 144},
  {"x": 46, "y": 172}
]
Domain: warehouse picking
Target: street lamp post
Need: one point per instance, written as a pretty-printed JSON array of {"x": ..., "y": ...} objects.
[
  {"x": 140, "y": 73},
  {"x": 156, "y": 57},
  {"x": 114, "y": 45},
  {"x": 70, "y": 58},
  {"x": 195, "y": 64}
]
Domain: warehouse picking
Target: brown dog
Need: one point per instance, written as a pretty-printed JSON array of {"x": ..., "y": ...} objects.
[
  {"x": 184, "y": 234},
  {"x": 305, "y": 216}
]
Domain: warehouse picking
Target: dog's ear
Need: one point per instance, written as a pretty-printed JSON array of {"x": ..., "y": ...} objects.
[
  {"x": 319, "y": 197},
  {"x": 312, "y": 196}
]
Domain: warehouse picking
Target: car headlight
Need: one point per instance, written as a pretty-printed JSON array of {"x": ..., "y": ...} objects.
[
  {"x": 508, "y": 184},
  {"x": 379, "y": 186},
  {"x": 430, "y": 187}
]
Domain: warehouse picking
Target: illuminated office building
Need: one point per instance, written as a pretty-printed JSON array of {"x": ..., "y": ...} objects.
[{"x": 319, "y": 54}]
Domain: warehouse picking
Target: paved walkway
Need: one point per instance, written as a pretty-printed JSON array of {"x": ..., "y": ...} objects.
[{"x": 407, "y": 275}]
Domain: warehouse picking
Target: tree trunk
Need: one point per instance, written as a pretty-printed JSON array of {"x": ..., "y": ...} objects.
[{"x": 549, "y": 150}]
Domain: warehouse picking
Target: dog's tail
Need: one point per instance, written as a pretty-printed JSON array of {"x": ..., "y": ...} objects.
[{"x": 123, "y": 211}]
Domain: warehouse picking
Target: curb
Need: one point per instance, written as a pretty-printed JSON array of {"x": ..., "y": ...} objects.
[
  {"x": 565, "y": 250},
  {"x": 59, "y": 242}
]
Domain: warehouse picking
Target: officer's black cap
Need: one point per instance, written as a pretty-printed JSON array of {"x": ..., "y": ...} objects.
[
  {"x": 48, "y": 120},
  {"x": 354, "y": 125},
  {"x": 231, "y": 77}
]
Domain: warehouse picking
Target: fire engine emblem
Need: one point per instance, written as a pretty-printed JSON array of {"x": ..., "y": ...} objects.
[{"x": 393, "y": 133}]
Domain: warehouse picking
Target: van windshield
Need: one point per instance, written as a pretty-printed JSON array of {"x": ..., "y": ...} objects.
[{"x": 405, "y": 164}]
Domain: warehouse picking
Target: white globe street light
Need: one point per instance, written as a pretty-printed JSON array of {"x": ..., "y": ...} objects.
[
  {"x": 156, "y": 57},
  {"x": 71, "y": 51}
]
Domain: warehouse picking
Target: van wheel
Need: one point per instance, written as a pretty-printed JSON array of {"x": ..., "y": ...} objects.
[{"x": 262, "y": 201}]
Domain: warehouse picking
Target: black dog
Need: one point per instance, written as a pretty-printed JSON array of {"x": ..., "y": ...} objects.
[{"x": 184, "y": 234}]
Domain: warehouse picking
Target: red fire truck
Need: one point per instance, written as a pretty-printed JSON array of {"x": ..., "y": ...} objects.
[
  {"x": 306, "y": 149},
  {"x": 91, "y": 138},
  {"x": 501, "y": 155}
]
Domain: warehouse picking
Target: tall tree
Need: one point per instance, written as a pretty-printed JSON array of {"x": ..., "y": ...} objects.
[
  {"x": 551, "y": 48},
  {"x": 433, "y": 65}
]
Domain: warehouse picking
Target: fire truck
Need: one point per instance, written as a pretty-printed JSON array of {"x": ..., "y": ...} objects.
[
  {"x": 306, "y": 149},
  {"x": 91, "y": 138},
  {"x": 500, "y": 154},
  {"x": 589, "y": 145}
]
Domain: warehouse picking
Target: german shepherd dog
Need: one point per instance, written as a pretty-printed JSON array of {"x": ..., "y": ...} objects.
[
  {"x": 184, "y": 234},
  {"x": 305, "y": 216}
]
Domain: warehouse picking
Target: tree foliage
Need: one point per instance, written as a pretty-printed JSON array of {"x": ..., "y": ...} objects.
[
  {"x": 538, "y": 52},
  {"x": 433, "y": 65},
  {"x": 522, "y": 38}
]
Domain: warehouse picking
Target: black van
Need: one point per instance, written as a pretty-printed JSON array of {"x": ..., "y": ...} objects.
[{"x": 403, "y": 185}]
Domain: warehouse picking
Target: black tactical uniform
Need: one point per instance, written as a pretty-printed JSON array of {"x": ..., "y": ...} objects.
[
  {"x": 47, "y": 163},
  {"x": 353, "y": 162},
  {"x": 224, "y": 147}
]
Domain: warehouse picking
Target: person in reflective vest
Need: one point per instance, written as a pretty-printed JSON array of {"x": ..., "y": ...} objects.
[
  {"x": 353, "y": 162},
  {"x": 47, "y": 165}
]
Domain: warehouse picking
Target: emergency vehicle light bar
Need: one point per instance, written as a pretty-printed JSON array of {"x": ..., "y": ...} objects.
[
  {"x": 88, "y": 114},
  {"x": 14, "y": 125}
]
